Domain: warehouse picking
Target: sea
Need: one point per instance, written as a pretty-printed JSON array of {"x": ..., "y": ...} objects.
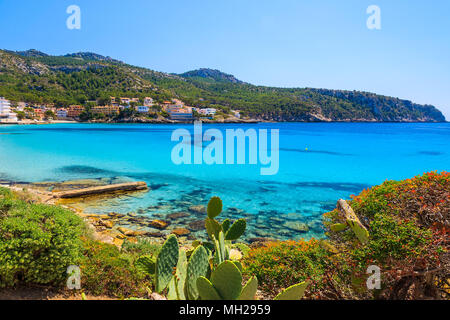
[{"x": 317, "y": 164}]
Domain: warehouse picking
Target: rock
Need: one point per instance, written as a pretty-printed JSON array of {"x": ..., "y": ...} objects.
[
  {"x": 159, "y": 224},
  {"x": 156, "y": 296},
  {"x": 177, "y": 215},
  {"x": 132, "y": 214},
  {"x": 118, "y": 242},
  {"x": 276, "y": 219},
  {"x": 107, "y": 223},
  {"x": 197, "y": 225},
  {"x": 262, "y": 233},
  {"x": 180, "y": 231},
  {"x": 104, "y": 216},
  {"x": 198, "y": 209},
  {"x": 235, "y": 210},
  {"x": 115, "y": 215},
  {"x": 296, "y": 226},
  {"x": 121, "y": 236},
  {"x": 153, "y": 234},
  {"x": 129, "y": 232}
]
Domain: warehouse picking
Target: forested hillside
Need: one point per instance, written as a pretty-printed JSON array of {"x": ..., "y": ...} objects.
[{"x": 33, "y": 76}]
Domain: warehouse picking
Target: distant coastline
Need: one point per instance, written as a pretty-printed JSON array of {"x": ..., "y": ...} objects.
[{"x": 89, "y": 86}]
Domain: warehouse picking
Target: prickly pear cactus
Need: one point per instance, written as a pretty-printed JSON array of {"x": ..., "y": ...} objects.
[
  {"x": 361, "y": 233},
  {"x": 206, "y": 289},
  {"x": 146, "y": 264},
  {"x": 212, "y": 228},
  {"x": 166, "y": 262},
  {"x": 197, "y": 266},
  {"x": 236, "y": 230},
  {"x": 295, "y": 292},
  {"x": 180, "y": 275},
  {"x": 227, "y": 280},
  {"x": 172, "y": 290},
  {"x": 214, "y": 207},
  {"x": 226, "y": 225},
  {"x": 249, "y": 290},
  {"x": 338, "y": 227}
]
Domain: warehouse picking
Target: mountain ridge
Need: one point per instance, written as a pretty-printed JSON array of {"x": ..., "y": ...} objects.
[{"x": 76, "y": 78}]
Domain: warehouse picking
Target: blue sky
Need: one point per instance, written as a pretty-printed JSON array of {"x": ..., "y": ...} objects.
[{"x": 285, "y": 43}]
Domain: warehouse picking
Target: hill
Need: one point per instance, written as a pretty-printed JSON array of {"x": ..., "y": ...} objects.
[
  {"x": 34, "y": 76},
  {"x": 210, "y": 75}
]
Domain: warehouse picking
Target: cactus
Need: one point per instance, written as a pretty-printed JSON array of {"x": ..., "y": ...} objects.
[
  {"x": 180, "y": 275},
  {"x": 206, "y": 289},
  {"x": 146, "y": 264},
  {"x": 338, "y": 227},
  {"x": 360, "y": 231},
  {"x": 351, "y": 220},
  {"x": 249, "y": 290},
  {"x": 238, "y": 265},
  {"x": 226, "y": 225},
  {"x": 166, "y": 261},
  {"x": 295, "y": 292},
  {"x": 197, "y": 266},
  {"x": 223, "y": 278},
  {"x": 227, "y": 280},
  {"x": 236, "y": 230},
  {"x": 221, "y": 250},
  {"x": 172, "y": 290},
  {"x": 214, "y": 207},
  {"x": 212, "y": 228}
]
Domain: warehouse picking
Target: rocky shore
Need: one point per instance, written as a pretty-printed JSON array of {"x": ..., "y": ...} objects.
[{"x": 184, "y": 217}]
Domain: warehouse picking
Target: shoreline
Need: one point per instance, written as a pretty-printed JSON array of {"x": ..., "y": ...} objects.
[
  {"x": 113, "y": 228},
  {"x": 250, "y": 121},
  {"x": 186, "y": 222}
]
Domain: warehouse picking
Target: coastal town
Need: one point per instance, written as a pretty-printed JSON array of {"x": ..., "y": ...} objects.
[{"x": 119, "y": 108}]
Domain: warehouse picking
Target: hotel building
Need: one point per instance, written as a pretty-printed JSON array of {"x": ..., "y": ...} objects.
[{"x": 5, "y": 111}]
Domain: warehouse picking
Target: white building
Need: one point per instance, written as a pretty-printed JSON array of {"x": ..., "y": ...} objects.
[
  {"x": 61, "y": 113},
  {"x": 5, "y": 111},
  {"x": 207, "y": 111},
  {"x": 21, "y": 106},
  {"x": 148, "y": 102},
  {"x": 142, "y": 109}
]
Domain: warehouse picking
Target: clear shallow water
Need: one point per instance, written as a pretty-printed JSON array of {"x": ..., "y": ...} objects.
[{"x": 341, "y": 159}]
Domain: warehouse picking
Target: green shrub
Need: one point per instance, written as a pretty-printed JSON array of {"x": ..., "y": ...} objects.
[
  {"x": 37, "y": 242},
  {"x": 107, "y": 271}
]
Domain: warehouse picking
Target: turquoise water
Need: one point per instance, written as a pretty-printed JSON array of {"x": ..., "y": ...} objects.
[{"x": 318, "y": 164}]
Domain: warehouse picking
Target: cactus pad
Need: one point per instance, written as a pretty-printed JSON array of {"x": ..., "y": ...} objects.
[
  {"x": 227, "y": 280},
  {"x": 360, "y": 231},
  {"x": 226, "y": 225},
  {"x": 236, "y": 230},
  {"x": 166, "y": 262},
  {"x": 295, "y": 292},
  {"x": 214, "y": 207},
  {"x": 338, "y": 227},
  {"x": 212, "y": 228},
  {"x": 197, "y": 266},
  {"x": 249, "y": 290},
  {"x": 206, "y": 289}
]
